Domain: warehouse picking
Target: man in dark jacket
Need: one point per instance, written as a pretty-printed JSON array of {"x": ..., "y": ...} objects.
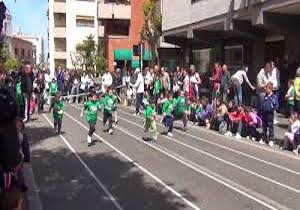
[{"x": 26, "y": 89}]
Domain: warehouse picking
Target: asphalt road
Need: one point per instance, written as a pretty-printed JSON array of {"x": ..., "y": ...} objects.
[{"x": 196, "y": 169}]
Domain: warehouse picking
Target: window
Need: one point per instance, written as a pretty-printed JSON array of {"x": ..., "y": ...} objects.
[
  {"x": 85, "y": 22},
  {"x": 118, "y": 27},
  {"x": 16, "y": 52},
  {"x": 23, "y": 53},
  {"x": 234, "y": 57},
  {"x": 202, "y": 60}
]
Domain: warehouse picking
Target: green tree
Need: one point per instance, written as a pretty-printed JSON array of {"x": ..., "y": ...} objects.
[
  {"x": 89, "y": 56},
  {"x": 12, "y": 64},
  {"x": 151, "y": 30}
]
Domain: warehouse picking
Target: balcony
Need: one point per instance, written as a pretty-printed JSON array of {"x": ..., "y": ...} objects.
[
  {"x": 59, "y": 7},
  {"x": 60, "y": 55},
  {"x": 60, "y": 32},
  {"x": 114, "y": 10}
]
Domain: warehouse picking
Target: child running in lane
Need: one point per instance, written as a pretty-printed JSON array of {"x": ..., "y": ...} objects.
[
  {"x": 53, "y": 89},
  {"x": 150, "y": 115},
  {"x": 92, "y": 107},
  {"x": 109, "y": 103},
  {"x": 167, "y": 110},
  {"x": 115, "y": 109},
  {"x": 180, "y": 109},
  {"x": 58, "y": 109}
]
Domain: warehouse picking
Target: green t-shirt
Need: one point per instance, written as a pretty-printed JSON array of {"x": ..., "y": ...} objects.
[
  {"x": 156, "y": 86},
  {"x": 53, "y": 88},
  {"x": 194, "y": 109},
  {"x": 149, "y": 112},
  {"x": 179, "y": 105},
  {"x": 109, "y": 103},
  {"x": 19, "y": 97},
  {"x": 167, "y": 108},
  {"x": 57, "y": 106},
  {"x": 92, "y": 108}
]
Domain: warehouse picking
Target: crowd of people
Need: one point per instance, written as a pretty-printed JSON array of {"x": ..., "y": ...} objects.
[{"x": 175, "y": 95}]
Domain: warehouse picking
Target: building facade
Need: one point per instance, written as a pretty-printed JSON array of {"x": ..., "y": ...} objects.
[
  {"x": 115, "y": 24},
  {"x": 20, "y": 49},
  {"x": 236, "y": 32}
]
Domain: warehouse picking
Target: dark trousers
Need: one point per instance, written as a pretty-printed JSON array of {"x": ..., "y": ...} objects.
[
  {"x": 107, "y": 117},
  {"x": 252, "y": 132},
  {"x": 25, "y": 148},
  {"x": 168, "y": 121},
  {"x": 268, "y": 124},
  {"x": 183, "y": 117},
  {"x": 92, "y": 128},
  {"x": 57, "y": 124},
  {"x": 139, "y": 102}
]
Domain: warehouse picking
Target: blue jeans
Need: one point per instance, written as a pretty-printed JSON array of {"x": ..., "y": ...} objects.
[
  {"x": 268, "y": 124},
  {"x": 238, "y": 93},
  {"x": 168, "y": 121}
]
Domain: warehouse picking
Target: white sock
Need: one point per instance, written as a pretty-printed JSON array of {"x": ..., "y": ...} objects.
[{"x": 89, "y": 140}]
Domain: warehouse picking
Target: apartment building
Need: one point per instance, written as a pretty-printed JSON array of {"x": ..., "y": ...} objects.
[
  {"x": 236, "y": 32},
  {"x": 114, "y": 23}
]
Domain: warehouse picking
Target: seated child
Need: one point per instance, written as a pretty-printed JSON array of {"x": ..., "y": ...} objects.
[
  {"x": 204, "y": 116},
  {"x": 290, "y": 142},
  {"x": 193, "y": 109},
  {"x": 219, "y": 114},
  {"x": 236, "y": 122},
  {"x": 255, "y": 123}
]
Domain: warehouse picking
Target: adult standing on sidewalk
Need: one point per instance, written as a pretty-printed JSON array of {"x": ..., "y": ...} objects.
[
  {"x": 139, "y": 86},
  {"x": 297, "y": 89},
  {"x": 237, "y": 81},
  {"x": 195, "y": 82},
  {"x": 216, "y": 81},
  {"x": 107, "y": 80},
  {"x": 263, "y": 78},
  {"x": 275, "y": 80},
  {"x": 166, "y": 82},
  {"x": 26, "y": 89}
]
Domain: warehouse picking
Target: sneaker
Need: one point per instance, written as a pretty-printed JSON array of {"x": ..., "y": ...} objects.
[
  {"x": 276, "y": 122},
  {"x": 136, "y": 114},
  {"x": 253, "y": 139},
  {"x": 25, "y": 119},
  {"x": 184, "y": 128},
  {"x": 169, "y": 134},
  {"x": 271, "y": 143},
  {"x": 296, "y": 151},
  {"x": 89, "y": 140},
  {"x": 248, "y": 137},
  {"x": 116, "y": 121},
  {"x": 238, "y": 136},
  {"x": 228, "y": 134},
  {"x": 261, "y": 142},
  {"x": 207, "y": 126},
  {"x": 110, "y": 131}
]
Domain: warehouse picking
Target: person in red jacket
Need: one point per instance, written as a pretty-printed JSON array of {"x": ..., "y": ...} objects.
[
  {"x": 216, "y": 81},
  {"x": 236, "y": 119}
]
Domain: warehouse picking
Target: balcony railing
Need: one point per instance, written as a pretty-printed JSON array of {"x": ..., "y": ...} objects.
[
  {"x": 112, "y": 10},
  {"x": 60, "y": 55}
]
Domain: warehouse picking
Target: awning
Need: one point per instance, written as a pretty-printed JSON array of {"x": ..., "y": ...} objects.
[
  {"x": 147, "y": 56},
  {"x": 122, "y": 54},
  {"x": 135, "y": 64}
]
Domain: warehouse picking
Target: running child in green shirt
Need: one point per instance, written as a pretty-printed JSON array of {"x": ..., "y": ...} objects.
[
  {"x": 58, "y": 110},
  {"x": 19, "y": 96},
  {"x": 109, "y": 103},
  {"x": 53, "y": 88},
  {"x": 91, "y": 108},
  {"x": 150, "y": 115},
  {"x": 180, "y": 109},
  {"x": 167, "y": 109}
]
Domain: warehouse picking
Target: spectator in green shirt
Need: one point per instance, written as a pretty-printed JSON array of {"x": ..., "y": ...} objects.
[
  {"x": 92, "y": 107},
  {"x": 58, "y": 109}
]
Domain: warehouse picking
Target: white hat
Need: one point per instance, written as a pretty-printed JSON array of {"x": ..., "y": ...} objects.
[{"x": 137, "y": 70}]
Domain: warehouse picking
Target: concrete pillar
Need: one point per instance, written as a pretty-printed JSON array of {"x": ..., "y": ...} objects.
[{"x": 188, "y": 55}]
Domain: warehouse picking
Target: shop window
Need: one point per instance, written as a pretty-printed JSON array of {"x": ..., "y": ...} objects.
[
  {"x": 202, "y": 60},
  {"x": 234, "y": 57}
]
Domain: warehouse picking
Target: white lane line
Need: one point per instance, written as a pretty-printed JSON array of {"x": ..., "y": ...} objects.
[
  {"x": 216, "y": 177},
  {"x": 189, "y": 203},
  {"x": 261, "y": 147},
  {"x": 222, "y": 160},
  {"x": 229, "y": 149},
  {"x": 100, "y": 184}
]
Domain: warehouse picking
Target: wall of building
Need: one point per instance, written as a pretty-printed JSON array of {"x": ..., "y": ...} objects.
[{"x": 18, "y": 46}]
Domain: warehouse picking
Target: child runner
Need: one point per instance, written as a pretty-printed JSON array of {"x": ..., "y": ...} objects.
[
  {"x": 150, "y": 115},
  {"x": 167, "y": 110},
  {"x": 19, "y": 97},
  {"x": 92, "y": 107},
  {"x": 290, "y": 96},
  {"x": 268, "y": 106},
  {"x": 109, "y": 103},
  {"x": 115, "y": 110},
  {"x": 180, "y": 109},
  {"x": 53, "y": 89},
  {"x": 58, "y": 109}
]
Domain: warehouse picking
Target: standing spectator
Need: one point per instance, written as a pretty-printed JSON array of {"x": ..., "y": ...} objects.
[
  {"x": 263, "y": 78},
  {"x": 297, "y": 89},
  {"x": 275, "y": 79},
  {"x": 149, "y": 80},
  {"x": 225, "y": 83},
  {"x": 118, "y": 82},
  {"x": 216, "y": 81},
  {"x": 268, "y": 106},
  {"x": 186, "y": 83},
  {"x": 139, "y": 86},
  {"x": 195, "y": 82},
  {"x": 60, "y": 78},
  {"x": 166, "y": 82},
  {"x": 48, "y": 80},
  {"x": 107, "y": 80},
  {"x": 290, "y": 97},
  {"x": 237, "y": 81},
  {"x": 26, "y": 89},
  {"x": 75, "y": 87}
]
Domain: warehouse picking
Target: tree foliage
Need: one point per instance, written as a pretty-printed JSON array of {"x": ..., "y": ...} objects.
[
  {"x": 89, "y": 56},
  {"x": 12, "y": 64},
  {"x": 151, "y": 30}
]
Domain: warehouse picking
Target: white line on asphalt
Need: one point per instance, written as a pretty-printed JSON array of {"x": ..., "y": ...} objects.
[
  {"x": 290, "y": 155},
  {"x": 189, "y": 203},
  {"x": 111, "y": 197},
  {"x": 216, "y": 177},
  {"x": 222, "y": 160},
  {"x": 229, "y": 149}
]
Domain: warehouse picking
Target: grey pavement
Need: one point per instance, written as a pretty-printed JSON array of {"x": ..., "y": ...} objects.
[{"x": 197, "y": 169}]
